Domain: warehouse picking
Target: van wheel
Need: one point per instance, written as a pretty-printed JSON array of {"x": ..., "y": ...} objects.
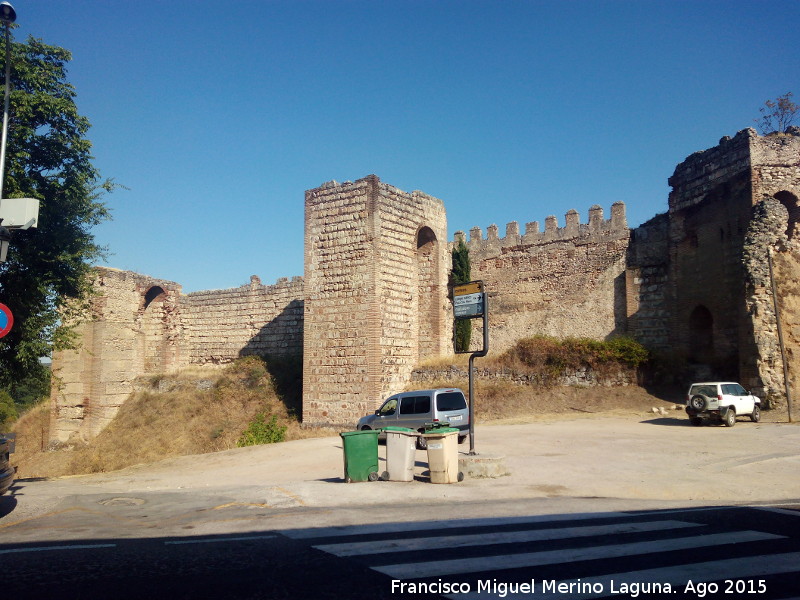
[
  {"x": 730, "y": 418},
  {"x": 755, "y": 417},
  {"x": 422, "y": 443},
  {"x": 462, "y": 439}
]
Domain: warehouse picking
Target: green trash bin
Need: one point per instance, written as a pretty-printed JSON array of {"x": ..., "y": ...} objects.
[{"x": 360, "y": 455}]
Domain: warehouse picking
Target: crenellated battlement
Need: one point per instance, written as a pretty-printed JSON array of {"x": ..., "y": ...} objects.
[
  {"x": 282, "y": 283},
  {"x": 598, "y": 228}
]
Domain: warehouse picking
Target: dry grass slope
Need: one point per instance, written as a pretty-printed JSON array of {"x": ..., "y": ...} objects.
[{"x": 195, "y": 412}]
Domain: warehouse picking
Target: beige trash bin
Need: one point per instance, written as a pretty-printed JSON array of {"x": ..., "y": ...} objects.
[
  {"x": 401, "y": 446},
  {"x": 443, "y": 455}
]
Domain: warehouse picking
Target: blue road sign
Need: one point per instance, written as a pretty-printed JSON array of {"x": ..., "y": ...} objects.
[{"x": 6, "y": 320}]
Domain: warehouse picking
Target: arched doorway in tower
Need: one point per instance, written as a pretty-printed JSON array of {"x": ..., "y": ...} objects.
[
  {"x": 701, "y": 335},
  {"x": 153, "y": 335},
  {"x": 428, "y": 309},
  {"x": 790, "y": 201}
]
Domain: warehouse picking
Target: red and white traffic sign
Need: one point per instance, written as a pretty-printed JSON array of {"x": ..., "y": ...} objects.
[{"x": 6, "y": 320}]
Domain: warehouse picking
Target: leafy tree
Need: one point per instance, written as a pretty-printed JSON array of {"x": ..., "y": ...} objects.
[
  {"x": 8, "y": 411},
  {"x": 31, "y": 389},
  {"x": 778, "y": 115},
  {"x": 46, "y": 279},
  {"x": 460, "y": 273}
]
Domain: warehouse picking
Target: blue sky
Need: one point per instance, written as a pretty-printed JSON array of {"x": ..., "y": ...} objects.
[{"x": 217, "y": 116}]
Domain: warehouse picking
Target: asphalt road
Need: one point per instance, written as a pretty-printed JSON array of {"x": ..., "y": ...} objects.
[{"x": 682, "y": 553}]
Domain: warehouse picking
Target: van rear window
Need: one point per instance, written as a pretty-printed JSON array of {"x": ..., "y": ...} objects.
[
  {"x": 705, "y": 390},
  {"x": 450, "y": 401}
]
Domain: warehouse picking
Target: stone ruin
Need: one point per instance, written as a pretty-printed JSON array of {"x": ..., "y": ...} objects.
[{"x": 373, "y": 301}]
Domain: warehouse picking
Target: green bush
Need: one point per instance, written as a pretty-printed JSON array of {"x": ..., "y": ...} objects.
[
  {"x": 8, "y": 410},
  {"x": 548, "y": 357},
  {"x": 261, "y": 431}
]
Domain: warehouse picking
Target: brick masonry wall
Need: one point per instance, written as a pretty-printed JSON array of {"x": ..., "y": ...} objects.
[
  {"x": 371, "y": 287},
  {"x": 563, "y": 282},
  {"x": 646, "y": 284},
  {"x": 711, "y": 206},
  {"x": 340, "y": 314},
  {"x": 118, "y": 345},
  {"x": 220, "y": 325},
  {"x": 146, "y": 326}
]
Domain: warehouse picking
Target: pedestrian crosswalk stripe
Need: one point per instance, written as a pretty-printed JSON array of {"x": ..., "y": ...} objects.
[
  {"x": 677, "y": 576},
  {"x": 350, "y": 548},
  {"x": 360, "y": 530},
  {"x": 460, "y": 566},
  {"x": 780, "y": 511}
]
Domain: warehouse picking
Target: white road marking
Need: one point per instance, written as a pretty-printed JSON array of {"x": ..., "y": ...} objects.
[
  {"x": 483, "y": 539},
  {"x": 441, "y": 568}
]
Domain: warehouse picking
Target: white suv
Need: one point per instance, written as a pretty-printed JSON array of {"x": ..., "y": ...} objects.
[{"x": 721, "y": 400}]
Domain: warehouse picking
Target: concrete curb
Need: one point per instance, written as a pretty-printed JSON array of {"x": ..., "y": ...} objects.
[{"x": 483, "y": 466}]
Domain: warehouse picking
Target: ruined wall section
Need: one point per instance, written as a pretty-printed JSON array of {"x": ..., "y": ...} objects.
[
  {"x": 221, "y": 325},
  {"x": 708, "y": 171},
  {"x": 564, "y": 281},
  {"x": 763, "y": 366},
  {"x": 141, "y": 325},
  {"x": 776, "y": 164},
  {"x": 710, "y": 207},
  {"x": 135, "y": 325},
  {"x": 773, "y": 229}
]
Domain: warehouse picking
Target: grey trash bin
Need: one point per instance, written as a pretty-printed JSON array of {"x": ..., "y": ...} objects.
[{"x": 401, "y": 445}]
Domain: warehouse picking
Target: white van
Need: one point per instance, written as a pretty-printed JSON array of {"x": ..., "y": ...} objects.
[{"x": 415, "y": 409}]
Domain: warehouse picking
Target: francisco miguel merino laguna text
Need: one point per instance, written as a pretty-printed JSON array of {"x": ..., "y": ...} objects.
[{"x": 502, "y": 588}]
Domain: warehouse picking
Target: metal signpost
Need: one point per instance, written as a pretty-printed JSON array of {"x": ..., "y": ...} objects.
[{"x": 470, "y": 302}]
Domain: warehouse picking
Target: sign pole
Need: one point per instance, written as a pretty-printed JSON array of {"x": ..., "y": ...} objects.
[{"x": 470, "y": 302}]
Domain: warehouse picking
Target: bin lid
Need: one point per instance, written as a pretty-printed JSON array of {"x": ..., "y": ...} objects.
[
  {"x": 442, "y": 431},
  {"x": 395, "y": 428},
  {"x": 436, "y": 425},
  {"x": 361, "y": 432}
]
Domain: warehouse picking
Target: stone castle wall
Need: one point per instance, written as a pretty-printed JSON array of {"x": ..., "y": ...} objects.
[
  {"x": 774, "y": 229},
  {"x": 144, "y": 325},
  {"x": 220, "y": 325},
  {"x": 563, "y": 281}
]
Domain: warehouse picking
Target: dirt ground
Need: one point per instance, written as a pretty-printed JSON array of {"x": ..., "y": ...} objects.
[{"x": 509, "y": 405}]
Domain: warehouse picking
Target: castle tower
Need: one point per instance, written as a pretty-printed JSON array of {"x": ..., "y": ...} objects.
[
  {"x": 376, "y": 270},
  {"x": 710, "y": 210}
]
